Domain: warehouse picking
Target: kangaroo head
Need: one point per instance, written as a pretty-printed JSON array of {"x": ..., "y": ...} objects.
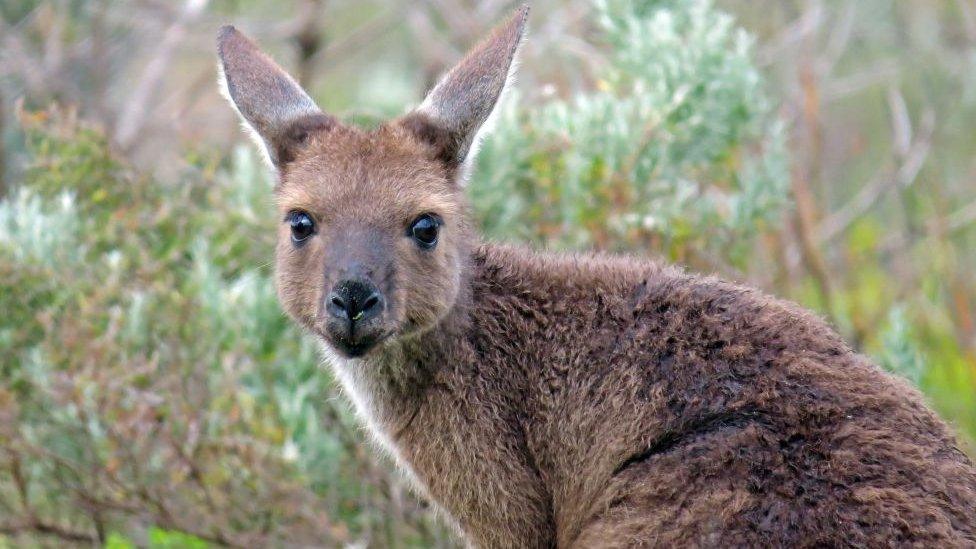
[{"x": 373, "y": 228}]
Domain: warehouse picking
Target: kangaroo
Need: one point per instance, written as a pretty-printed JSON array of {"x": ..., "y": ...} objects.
[{"x": 583, "y": 400}]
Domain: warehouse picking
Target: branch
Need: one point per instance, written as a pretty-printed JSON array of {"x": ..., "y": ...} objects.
[
  {"x": 803, "y": 27},
  {"x": 363, "y": 36},
  {"x": 961, "y": 218},
  {"x": 839, "y": 38},
  {"x": 134, "y": 114},
  {"x": 880, "y": 72},
  {"x": 912, "y": 154},
  {"x": 968, "y": 19},
  {"x": 46, "y": 528},
  {"x": 309, "y": 39}
]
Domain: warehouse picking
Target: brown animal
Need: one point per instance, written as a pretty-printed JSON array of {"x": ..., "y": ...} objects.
[{"x": 577, "y": 400}]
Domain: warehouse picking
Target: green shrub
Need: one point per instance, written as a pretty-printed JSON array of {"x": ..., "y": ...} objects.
[
  {"x": 675, "y": 150},
  {"x": 147, "y": 368},
  {"x": 152, "y": 392}
]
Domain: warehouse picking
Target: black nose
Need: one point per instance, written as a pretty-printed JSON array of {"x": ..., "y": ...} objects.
[{"x": 354, "y": 300}]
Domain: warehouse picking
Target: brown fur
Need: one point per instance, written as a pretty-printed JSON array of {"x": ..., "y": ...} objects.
[{"x": 586, "y": 400}]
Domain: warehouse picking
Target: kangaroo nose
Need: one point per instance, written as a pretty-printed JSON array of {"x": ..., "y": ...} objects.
[{"x": 354, "y": 300}]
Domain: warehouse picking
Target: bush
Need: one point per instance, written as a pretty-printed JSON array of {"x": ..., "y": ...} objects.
[
  {"x": 674, "y": 151},
  {"x": 149, "y": 377},
  {"x": 152, "y": 392}
]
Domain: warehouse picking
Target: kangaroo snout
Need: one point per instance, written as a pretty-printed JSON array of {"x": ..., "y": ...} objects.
[
  {"x": 353, "y": 316},
  {"x": 355, "y": 301}
]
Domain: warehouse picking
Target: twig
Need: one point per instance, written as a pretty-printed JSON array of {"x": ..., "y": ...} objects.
[
  {"x": 839, "y": 38},
  {"x": 362, "y": 36},
  {"x": 462, "y": 23},
  {"x": 968, "y": 18},
  {"x": 804, "y": 26},
  {"x": 912, "y": 160},
  {"x": 882, "y": 71},
  {"x": 809, "y": 252},
  {"x": 961, "y": 218},
  {"x": 49, "y": 529},
  {"x": 901, "y": 123},
  {"x": 309, "y": 39},
  {"x": 3, "y": 149},
  {"x": 16, "y": 59},
  {"x": 134, "y": 114}
]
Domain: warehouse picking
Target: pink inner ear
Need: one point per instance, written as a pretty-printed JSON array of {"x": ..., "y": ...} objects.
[
  {"x": 461, "y": 103},
  {"x": 269, "y": 100}
]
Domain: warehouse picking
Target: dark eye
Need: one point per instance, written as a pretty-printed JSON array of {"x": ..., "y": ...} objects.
[
  {"x": 302, "y": 226},
  {"x": 424, "y": 230}
]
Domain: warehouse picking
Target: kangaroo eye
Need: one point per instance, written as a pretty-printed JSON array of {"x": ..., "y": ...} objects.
[
  {"x": 302, "y": 226},
  {"x": 424, "y": 230}
]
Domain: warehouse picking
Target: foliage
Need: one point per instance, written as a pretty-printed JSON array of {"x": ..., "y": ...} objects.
[
  {"x": 675, "y": 148},
  {"x": 153, "y": 394},
  {"x": 158, "y": 538},
  {"x": 149, "y": 374}
]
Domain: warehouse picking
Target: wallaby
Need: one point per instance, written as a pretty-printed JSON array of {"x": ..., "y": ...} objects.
[{"x": 582, "y": 400}]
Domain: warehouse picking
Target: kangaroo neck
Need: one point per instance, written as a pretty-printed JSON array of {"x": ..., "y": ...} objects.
[{"x": 388, "y": 386}]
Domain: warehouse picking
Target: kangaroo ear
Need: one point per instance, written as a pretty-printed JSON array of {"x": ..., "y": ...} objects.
[
  {"x": 453, "y": 112},
  {"x": 276, "y": 110}
]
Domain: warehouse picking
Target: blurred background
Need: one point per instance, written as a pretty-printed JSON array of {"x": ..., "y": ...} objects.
[{"x": 153, "y": 394}]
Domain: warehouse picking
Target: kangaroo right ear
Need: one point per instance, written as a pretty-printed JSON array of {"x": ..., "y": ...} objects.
[
  {"x": 451, "y": 117},
  {"x": 276, "y": 110}
]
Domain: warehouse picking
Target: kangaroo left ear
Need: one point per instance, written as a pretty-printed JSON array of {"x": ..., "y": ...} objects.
[
  {"x": 451, "y": 116},
  {"x": 274, "y": 107}
]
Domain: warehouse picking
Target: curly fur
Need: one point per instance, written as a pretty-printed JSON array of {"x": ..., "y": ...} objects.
[{"x": 594, "y": 401}]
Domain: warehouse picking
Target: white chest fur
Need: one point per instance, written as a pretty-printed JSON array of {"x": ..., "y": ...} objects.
[{"x": 368, "y": 400}]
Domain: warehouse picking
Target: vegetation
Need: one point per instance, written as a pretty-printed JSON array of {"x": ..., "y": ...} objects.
[
  {"x": 150, "y": 370},
  {"x": 153, "y": 394}
]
